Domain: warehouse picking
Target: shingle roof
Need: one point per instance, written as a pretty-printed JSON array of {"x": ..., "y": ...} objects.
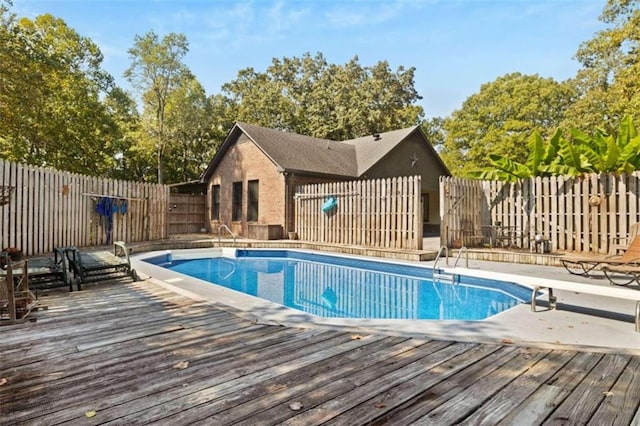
[
  {"x": 298, "y": 153},
  {"x": 370, "y": 149}
]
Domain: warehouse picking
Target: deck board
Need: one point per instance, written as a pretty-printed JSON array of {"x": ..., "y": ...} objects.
[{"x": 114, "y": 348}]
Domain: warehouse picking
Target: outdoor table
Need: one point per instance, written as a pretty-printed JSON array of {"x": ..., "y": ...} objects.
[{"x": 502, "y": 235}]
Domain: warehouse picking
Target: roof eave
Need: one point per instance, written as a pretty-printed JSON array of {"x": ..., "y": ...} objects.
[{"x": 317, "y": 174}]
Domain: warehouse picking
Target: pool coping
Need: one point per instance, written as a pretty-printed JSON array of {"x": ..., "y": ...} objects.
[{"x": 492, "y": 330}]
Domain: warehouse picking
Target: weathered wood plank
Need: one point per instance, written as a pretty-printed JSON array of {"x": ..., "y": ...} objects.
[
  {"x": 372, "y": 384},
  {"x": 539, "y": 405},
  {"x": 239, "y": 371},
  {"x": 120, "y": 386},
  {"x": 509, "y": 397},
  {"x": 383, "y": 406},
  {"x": 228, "y": 378},
  {"x": 590, "y": 393},
  {"x": 256, "y": 404},
  {"x": 473, "y": 396},
  {"x": 621, "y": 402}
]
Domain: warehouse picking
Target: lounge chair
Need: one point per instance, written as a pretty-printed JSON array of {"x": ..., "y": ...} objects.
[
  {"x": 89, "y": 266},
  {"x": 47, "y": 272},
  {"x": 584, "y": 265},
  {"x": 620, "y": 244},
  {"x": 623, "y": 274}
]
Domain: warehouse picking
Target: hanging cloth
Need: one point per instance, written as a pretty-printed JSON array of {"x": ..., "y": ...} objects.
[{"x": 104, "y": 208}]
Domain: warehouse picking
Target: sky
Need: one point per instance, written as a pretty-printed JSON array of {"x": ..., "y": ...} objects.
[{"x": 454, "y": 45}]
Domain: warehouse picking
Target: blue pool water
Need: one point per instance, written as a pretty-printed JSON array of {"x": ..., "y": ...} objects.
[{"x": 339, "y": 287}]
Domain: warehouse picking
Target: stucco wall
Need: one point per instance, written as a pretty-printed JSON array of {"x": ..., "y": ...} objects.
[{"x": 244, "y": 162}]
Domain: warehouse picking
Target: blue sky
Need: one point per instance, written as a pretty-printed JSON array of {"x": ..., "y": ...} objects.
[{"x": 455, "y": 45}]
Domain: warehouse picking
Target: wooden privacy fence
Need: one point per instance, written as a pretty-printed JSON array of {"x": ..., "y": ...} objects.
[
  {"x": 383, "y": 213},
  {"x": 41, "y": 209},
  {"x": 187, "y": 213},
  {"x": 583, "y": 214}
]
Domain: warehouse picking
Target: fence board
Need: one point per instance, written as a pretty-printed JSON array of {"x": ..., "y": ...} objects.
[
  {"x": 187, "y": 213},
  {"x": 49, "y": 208},
  {"x": 575, "y": 214},
  {"x": 378, "y": 213}
]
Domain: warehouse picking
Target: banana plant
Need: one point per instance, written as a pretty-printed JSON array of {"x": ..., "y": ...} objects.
[{"x": 575, "y": 157}]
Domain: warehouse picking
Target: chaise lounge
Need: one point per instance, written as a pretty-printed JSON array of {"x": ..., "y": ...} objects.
[
  {"x": 584, "y": 265},
  {"x": 623, "y": 274},
  {"x": 89, "y": 266}
]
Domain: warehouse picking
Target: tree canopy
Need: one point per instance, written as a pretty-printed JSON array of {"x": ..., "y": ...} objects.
[
  {"x": 609, "y": 80},
  {"x": 156, "y": 72},
  {"x": 499, "y": 118},
  {"x": 59, "y": 108},
  {"x": 51, "y": 112},
  {"x": 308, "y": 95}
]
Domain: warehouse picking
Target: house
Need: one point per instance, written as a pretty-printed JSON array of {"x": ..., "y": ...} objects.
[{"x": 253, "y": 177}]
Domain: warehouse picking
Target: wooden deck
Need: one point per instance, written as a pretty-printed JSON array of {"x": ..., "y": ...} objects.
[{"x": 137, "y": 353}]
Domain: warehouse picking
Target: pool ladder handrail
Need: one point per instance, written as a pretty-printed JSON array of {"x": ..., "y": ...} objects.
[
  {"x": 463, "y": 249},
  {"x": 233, "y": 269},
  {"x": 223, "y": 226},
  {"x": 435, "y": 273},
  {"x": 446, "y": 254},
  {"x": 446, "y": 250}
]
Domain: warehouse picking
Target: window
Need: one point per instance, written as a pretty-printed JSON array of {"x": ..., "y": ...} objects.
[
  {"x": 215, "y": 202},
  {"x": 236, "y": 214},
  {"x": 252, "y": 203}
]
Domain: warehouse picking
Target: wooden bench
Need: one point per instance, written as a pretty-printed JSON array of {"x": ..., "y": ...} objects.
[{"x": 538, "y": 284}]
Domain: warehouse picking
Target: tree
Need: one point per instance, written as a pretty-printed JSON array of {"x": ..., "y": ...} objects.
[
  {"x": 127, "y": 164},
  {"x": 156, "y": 72},
  {"x": 189, "y": 123},
  {"x": 609, "y": 81},
  {"x": 499, "y": 118},
  {"x": 51, "y": 84},
  {"x": 581, "y": 154},
  {"x": 309, "y": 96},
  {"x": 434, "y": 131}
]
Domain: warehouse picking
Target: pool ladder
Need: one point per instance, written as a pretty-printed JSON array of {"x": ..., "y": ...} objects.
[
  {"x": 231, "y": 272},
  {"x": 437, "y": 274},
  {"x": 223, "y": 226}
]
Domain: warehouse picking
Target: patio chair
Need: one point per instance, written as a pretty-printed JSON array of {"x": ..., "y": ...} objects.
[
  {"x": 623, "y": 274},
  {"x": 16, "y": 299},
  {"x": 47, "y": 272},
  {"x": 89, "y": 266},
  {"x": 620, "y": 244},
  {"x": 584, "y": 265},
  {"x": 50, "y": 272}
]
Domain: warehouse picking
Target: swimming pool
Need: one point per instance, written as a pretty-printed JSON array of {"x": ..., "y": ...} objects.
[{"x": 343, "y": 287}]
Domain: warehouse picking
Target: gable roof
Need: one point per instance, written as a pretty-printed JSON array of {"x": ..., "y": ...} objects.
[
  {"x": 291, "y": 152},
  {"x": 372, "y": 148}
]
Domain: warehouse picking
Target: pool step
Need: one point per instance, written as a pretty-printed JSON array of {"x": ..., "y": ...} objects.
[{"x": 444, "y": 277}]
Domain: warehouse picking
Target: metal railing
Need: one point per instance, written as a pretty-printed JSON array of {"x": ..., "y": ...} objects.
[
  {"x": 446, "y": 254},
  {"x": 462, "y": 250},
  {"x": 221, "y": 227}
]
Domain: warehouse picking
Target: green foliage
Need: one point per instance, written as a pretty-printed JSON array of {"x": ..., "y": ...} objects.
[
  {"x": 434, "y": 131},
  {"x": 51, "y": 84},
  {"x": 601, "y": 153},
  {"x": 156, "y": 71},
  {"x": 499, "y": 118},
  {"x": 609, "y": 81},
  {"x": 309, "y": 96}
]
